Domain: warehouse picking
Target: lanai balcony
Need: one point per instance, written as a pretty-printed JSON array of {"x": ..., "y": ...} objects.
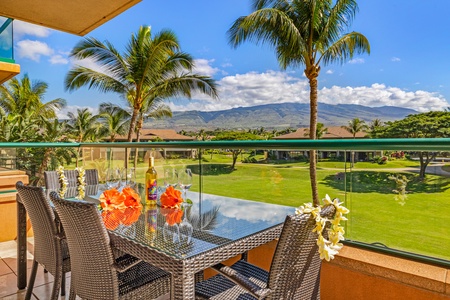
[{"x": 397, "y": 243}]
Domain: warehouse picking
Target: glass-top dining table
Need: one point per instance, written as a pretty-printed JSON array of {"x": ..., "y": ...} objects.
[{"x": 222, "y": 228}]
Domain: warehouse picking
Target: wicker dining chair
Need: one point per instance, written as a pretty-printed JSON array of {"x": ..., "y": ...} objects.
[
  {"x": 96, "y": 273},
  {"x": 50, "y": 246},
  {"x": 294, "y": 273},
  {"x": 52, "y": 181}
]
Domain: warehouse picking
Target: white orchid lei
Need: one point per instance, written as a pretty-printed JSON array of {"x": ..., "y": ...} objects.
[
  {"x": 63, "y": 182},
  {"x": 328, "y": 248},
  {"x": 81, "y": 183}
]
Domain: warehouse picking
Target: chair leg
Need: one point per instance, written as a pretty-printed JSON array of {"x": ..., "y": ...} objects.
[
  {"x": 63, "y": 284},
  {"x": 56, "y": 284},
  {"x": 72, "y": 294},
  {"x": 31, "y": 282}
]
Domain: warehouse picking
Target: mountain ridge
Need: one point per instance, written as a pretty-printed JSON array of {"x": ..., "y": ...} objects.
[{"x": 277, "y": 116}]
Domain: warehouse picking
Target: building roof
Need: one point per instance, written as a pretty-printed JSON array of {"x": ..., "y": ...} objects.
[
  {"x": 333, "y": 132},
  {"x": 164, "y": 134},
  {"x": 76, "y": 16}
]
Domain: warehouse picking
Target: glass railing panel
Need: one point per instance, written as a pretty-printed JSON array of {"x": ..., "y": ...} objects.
[
  {"x": 393, "y": 206},
  {"x": 6, "y": 40},
  {"x": 8, "y": 159}
]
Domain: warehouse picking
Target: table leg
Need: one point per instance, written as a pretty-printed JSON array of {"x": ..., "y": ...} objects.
[
  {"x": 184, "y": 287},
  {"x": 21, "y": 245}
]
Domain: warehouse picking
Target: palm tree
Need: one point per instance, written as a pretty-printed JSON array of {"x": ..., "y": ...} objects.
[
  {"x": 23, "y": 99},
  {"x": 115, "y": 119},
  {"x": 151, "y": 68},
  {"x": 320, "y": 130},
  {"x": 304, "y": 33},
  {"x": 354, "y": 126},
  {"x": 83, "y": 127},
  {"x": 374, "y": 127}
]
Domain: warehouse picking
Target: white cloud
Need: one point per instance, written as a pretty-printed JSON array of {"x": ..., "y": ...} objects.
[
  {"x": 58, "y": 59},
  {"x": 203, "y": 67},
  {"x": 356, "y": 61},
  {"x": 395, "y": 59},
  {"x": 62, "y": 114},
  {"x": 226, "y": 65},
  {"x": 251, "y": 89},
  {"x": 33, "y": 49},
  {"x": 329, "y": 72},
  {"x": 22, "y": 28}
]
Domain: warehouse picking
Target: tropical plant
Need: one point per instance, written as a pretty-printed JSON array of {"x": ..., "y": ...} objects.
[
  {"x": 306, "y": 33},
  {"x": 152, "y": 68}
]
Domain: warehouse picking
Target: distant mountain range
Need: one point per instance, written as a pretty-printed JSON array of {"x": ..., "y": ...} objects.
[{"x": 277, "y": 116}]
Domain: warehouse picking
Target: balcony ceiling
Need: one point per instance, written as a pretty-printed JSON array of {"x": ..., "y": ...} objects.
[
  {"x": 8, "y": 71},
  {"x": 75, "y": 16}
]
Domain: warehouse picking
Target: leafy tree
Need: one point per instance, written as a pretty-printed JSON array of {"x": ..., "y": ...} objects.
[
  {"x": 306, "y": 33},
  {"x": 433, "y": 124},
  {"x": 151, "y": 68},
  {"x": 235, "y": 136}
]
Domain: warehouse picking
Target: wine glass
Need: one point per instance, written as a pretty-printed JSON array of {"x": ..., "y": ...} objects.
[
  {"x": 185, "y": 226},
  {"x": 185, "y": 181},
  {"x": 170, "y": 177},
  {"x": 129, "y": 177},
  {"x": 112, "y": 178}
]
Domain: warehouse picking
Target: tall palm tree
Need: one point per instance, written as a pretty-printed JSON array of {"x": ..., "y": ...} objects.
[
  {"x": 306, "y": 33},
  {"x": 151, "y": 67},
  {"x": 115, "y": 119}
]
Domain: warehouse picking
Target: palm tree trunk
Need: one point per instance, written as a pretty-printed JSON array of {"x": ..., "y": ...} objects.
[
  {"x": 131, "y": 131},
  {"x": 313, "y": 134},
  {"x": 138, "y": 139},
  {"x": 44, "y": 165}
]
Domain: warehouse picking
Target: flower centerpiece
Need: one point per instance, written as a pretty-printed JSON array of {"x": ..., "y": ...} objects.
[
  {"x": 120, "y": 207},
  {"x": 64, "y": 183},
  {"x": 328, "y": 247},
  {"x": 171, "y": 201}
]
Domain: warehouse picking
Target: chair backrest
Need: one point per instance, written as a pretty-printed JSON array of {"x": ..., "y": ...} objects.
[
  {"x": 46, "y": 245},
  {"x": 91, "y": 256},
  {"x": 52, "y": 182},
  {"x": 295, "y": 269}
]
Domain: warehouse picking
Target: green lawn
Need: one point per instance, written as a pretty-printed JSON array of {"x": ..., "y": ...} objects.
[{"x": 418, "y": 225}]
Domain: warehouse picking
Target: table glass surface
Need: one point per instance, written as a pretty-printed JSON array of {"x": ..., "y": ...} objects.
[{"x": 216, "y": 220}]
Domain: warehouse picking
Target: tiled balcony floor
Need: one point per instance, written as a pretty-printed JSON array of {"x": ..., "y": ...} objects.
[{"x": 8, "y": 276}]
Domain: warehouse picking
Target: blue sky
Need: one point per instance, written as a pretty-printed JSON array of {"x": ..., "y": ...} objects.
[{"x": 409, "y": 64}]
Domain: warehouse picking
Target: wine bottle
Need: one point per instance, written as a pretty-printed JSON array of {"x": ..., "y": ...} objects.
[
  {"x": 151, "y": 191},
  {"x": 151, "y": 214}
]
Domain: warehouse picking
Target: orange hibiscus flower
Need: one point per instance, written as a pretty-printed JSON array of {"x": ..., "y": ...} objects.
[
  {"x": 131, "y": 215},
  {"x": 171, "y": 198},
  {"x": 112, "y": 218},
  {"x": 132, "y": 198},
  {"x": 173, "y": 215},
  {"x": 112, "y": 199}
]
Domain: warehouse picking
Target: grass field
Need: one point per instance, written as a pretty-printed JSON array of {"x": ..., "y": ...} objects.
[{"x": 417, "y": 224}]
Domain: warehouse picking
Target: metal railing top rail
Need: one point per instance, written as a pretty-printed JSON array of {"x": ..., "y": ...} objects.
[{"x": 424, "y": 144}]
